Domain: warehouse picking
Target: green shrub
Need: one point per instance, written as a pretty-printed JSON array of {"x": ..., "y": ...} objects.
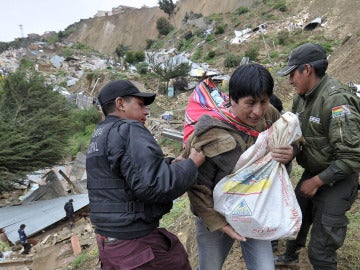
[
  {"x": 26, "y": 63},
  {"x": 52, "y": 39},
  {"x": 281, "y": 5},
  {"x": 210, "y": 38},
  {"x": 191, "y": 16},
  {"x": 149, "y": 43},
  {"x": 231, "y": 60},
  {"x": 252, "y": 52},
  {"x": 120, "y": 50},
  {"x": 274, "y": 54},
  {"x": 158, "y": 44},
  {"x": 117, "y": 76},
  {"x": 219, "y": 29},
  {"x": 142, "y": 68},
  {"x": 211, "y": 54},
  {"x": 242, "y": 10},
  {"x": 67, "y": 52},
  {"x": 196, "y": 55},
  {"x": 327, "y": 46},
  {"x": 64, "y": 34},
  {"x": 283, "y": 37},
  {"x": 85, "y": 117},
  {"x": 80, "y": 46},
  {"x": 199, "y": 33},
  {"x": 163, "y": 26},
  {"x": 84, "y": 122},
  {"x": 133, "y": 57},
  {"x": 4, "y": 247},
  {"x": 139, "y": 56}
]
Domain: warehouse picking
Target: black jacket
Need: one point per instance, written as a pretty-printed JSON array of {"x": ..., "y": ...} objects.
[
  {"x": 69, "y": 209},
  {"x": 131, "y": 185}
]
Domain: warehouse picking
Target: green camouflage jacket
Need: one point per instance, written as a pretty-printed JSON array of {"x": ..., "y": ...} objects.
[{"x": 330, "y": 123}]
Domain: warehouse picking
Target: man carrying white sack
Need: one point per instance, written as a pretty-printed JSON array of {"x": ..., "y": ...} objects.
[
  {"x": 258, "y": 199},
  {"x": 223, "y": 141}
]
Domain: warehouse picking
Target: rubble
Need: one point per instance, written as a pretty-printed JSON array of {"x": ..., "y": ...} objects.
[{"x": 67, "y": 244}]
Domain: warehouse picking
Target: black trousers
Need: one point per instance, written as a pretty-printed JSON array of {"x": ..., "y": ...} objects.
[
  {"x": 27, "y": 248},
  {"x": 326, "y": 213}
]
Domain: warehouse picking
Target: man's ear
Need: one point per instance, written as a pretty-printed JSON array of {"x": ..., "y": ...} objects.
[
  {"x": 232, "y": 101},
  {"x": 309, "y": 69},
  {"x": 119, "y": 103}
]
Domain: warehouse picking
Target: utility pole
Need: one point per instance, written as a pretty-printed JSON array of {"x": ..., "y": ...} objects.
[{"x": 21, "y": 30}]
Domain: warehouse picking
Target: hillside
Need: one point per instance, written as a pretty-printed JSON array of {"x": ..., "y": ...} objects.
[{"x": 133, "y": 27}]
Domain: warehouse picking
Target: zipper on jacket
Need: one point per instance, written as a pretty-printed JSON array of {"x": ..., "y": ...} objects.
[{"x": 340, "y": 125}]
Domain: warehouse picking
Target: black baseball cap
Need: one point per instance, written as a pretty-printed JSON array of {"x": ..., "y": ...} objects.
[
  {"x": 305, "y": 53},
  {"x": 122, "y": 88}
]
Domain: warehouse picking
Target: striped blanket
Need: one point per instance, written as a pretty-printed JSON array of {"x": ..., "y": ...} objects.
[{"x": 201, "y": 102}]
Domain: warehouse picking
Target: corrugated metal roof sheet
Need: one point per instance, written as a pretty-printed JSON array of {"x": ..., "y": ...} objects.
[{"x": 37, "y": 215}]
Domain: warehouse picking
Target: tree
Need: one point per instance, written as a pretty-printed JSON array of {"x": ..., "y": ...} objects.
[
  {"x": 133, "y": 57},
  {"x": 35, "y": 126},
  {"x": 121, "y": 50},
  {"x": 168, "y": 69},
  {"x": 163, "y": 26},
  {"x": 167, "y": 6}
]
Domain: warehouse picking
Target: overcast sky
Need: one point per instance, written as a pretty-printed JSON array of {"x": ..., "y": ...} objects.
[{"x": 23, "y": 17}]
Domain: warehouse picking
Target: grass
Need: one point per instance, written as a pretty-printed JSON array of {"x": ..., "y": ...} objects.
[
  {"x": 174, "y": 145},
  {"x": 181, "y": 206},
  {"x": 4, "y": 247},
  {"x": 80, "y": 260},
  {"x": 86, "y": 256},
  {"x": 348, "y": 254}
]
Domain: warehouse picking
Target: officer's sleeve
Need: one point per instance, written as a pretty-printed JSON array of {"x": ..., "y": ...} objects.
[
  {"x": 140, "y": 161},
  {"x": 344, "y": 127}
]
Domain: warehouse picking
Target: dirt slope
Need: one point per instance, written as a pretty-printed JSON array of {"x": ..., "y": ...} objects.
[
  {"x": 341, "y": 23},
  {"x": 134, "y": 26}
]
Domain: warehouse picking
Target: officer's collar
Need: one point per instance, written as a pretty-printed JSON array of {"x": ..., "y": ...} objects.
[{"x": 313, "y": 91}]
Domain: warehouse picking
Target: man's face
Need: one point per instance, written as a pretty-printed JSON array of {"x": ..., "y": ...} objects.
[
  {"x": 249, "y": 110},
  {"x": 300, "y": 80},
  {"x": 135, "y": 109}
]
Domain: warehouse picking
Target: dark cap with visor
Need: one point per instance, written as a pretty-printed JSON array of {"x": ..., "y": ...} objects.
[
  {"x": 306, "y": 53},
  {"x": 122, "y": 88}
]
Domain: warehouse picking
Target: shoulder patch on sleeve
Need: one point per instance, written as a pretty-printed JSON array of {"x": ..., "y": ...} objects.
[{"x": 340, "y": 111}]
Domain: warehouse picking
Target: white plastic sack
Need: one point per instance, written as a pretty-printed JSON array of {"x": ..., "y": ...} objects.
[{"x": 258, "y": 199}]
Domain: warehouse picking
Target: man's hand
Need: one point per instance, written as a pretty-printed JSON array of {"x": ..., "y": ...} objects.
[
  {"x": 282, "y": 153},
  {"x": 310, "y": 186},
  {"x": 232, "y": 233},
  {"x": 197, "y": 156},
  {"x": 178, "y": 158}
]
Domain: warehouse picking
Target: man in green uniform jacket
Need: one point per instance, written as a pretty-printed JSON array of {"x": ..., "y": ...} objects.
[{"x": 329, "y": 152}]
